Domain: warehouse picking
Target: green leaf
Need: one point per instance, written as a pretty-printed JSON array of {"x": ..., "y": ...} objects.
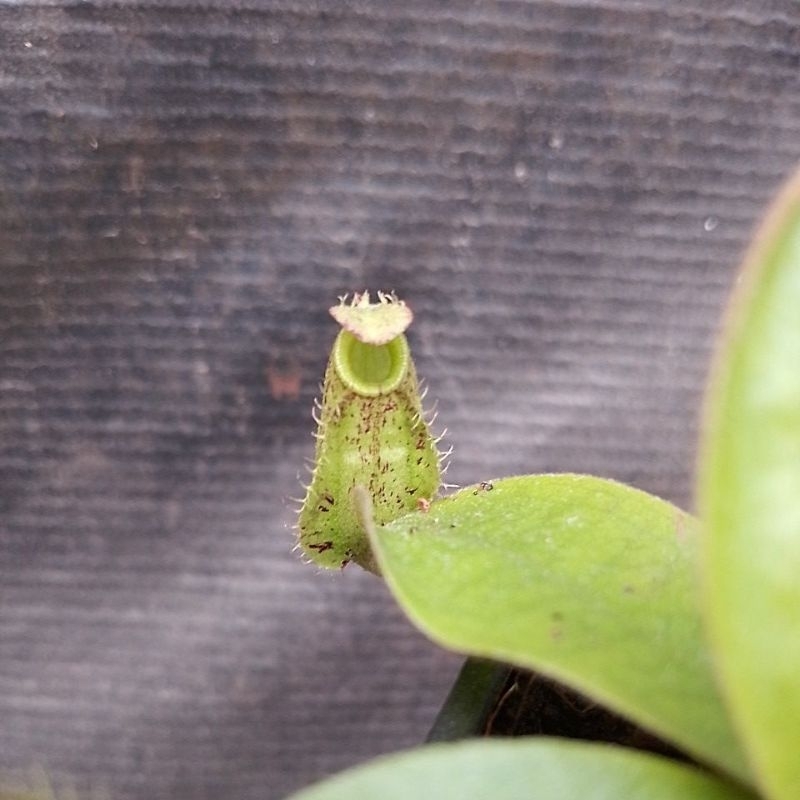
[
  {"x": 750, "y": 496},
  {"x": 583, "y": 579},
  {"x": 35, "y": 785},
  {"x": 522, "y": 769}
]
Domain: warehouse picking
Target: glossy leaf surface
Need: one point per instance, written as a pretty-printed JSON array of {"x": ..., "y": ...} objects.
[
  {"x": 522, "y": 769},
  {"x": 750, "y": 497},
  {"x": 585, "y": 580}
]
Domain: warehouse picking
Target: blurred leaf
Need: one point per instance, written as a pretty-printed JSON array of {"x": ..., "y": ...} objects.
[
  {"x": 522, "y": 769},
  {"x": 35, "y": 784},
  {"x": 750, "y": 495},
  {"x": 583, "y": 579}
]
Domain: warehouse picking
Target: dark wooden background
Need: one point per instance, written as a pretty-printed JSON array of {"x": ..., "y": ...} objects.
[{"x": 561, "y": 190}]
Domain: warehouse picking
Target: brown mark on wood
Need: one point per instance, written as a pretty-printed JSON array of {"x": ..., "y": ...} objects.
[{"x": 283, "y": 382}]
